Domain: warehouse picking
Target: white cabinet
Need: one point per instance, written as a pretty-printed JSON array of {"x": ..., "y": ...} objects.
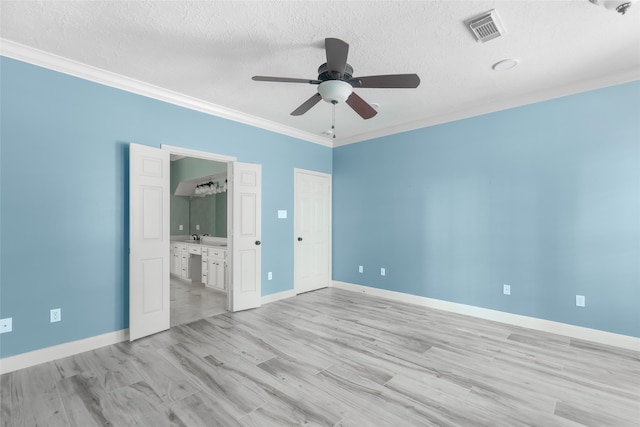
[
  {"x": 214, "y": 268},
  {"x": 179, "y": 260}
]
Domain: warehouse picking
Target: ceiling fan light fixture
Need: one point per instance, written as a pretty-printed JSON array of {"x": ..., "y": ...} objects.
[{"x": 335, "y": 91}]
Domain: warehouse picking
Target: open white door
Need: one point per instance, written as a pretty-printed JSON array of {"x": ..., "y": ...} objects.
[
  {"x": 246, "y": 289},
  {"x": 149, "y": 310},
  {"x": 312, "y": 228}
]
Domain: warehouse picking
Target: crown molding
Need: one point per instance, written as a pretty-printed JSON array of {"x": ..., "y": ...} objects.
[
  {"x": 43, "y": 59},
  {"x": 60, "y": 64},
  {"x": 479, "y": 110}
]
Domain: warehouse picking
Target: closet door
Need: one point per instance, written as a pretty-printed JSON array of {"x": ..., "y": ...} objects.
[{"x": 312, "y": 230}]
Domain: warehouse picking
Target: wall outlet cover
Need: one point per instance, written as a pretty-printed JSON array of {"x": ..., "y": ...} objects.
[
  {"x": 269, "y": 275},
  {"x": 282, "y": 214},
  {"x": 55, "y": 315},
  {"x": 383, "y": 271},
  {"x": 580, "y": 301},
  {"x": 360, "y": 269},
  {"x": 506, "y": 289}
]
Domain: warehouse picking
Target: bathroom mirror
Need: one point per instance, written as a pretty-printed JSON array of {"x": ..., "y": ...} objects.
[{"x": 198, "y": 197}]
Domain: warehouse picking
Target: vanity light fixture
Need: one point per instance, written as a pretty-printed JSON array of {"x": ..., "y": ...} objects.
[{"x": 209, "y": 188}]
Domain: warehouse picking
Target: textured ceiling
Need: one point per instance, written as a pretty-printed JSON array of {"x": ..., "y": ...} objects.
[{"x": 210, "y": 49}]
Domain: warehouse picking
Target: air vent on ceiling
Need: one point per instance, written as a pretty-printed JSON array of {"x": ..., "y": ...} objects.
[{"x": 486, "y": 26}]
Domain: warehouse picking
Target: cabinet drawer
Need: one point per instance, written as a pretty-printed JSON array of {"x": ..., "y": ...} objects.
[
  {"x": 179, "y": 247},
  {"x": 195, "y": 249},
  {"x": 216, "y": 253}
]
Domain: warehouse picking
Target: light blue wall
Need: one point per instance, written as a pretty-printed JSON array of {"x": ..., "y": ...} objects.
[
  {"x": 544, "y": 197},
  {"x": 64, "y": 197}
]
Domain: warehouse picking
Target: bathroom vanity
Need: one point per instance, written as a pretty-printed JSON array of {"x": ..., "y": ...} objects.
[{"x": 204, "y": 261}]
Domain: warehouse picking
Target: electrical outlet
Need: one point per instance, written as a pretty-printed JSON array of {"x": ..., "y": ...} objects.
[
  {"x": 6, "y": 325},
  {"x": 580, "y": 301},
  {"x": 360, "y": 269},
  {"x": 197, "y": 226},
  {"x": 269, "y": 276},
  {"x": 383, "y": 271},
  {"x": 506, "y": 289},
  {"x": 55, "y": 315},
  {"x": 180, "y": 227}
]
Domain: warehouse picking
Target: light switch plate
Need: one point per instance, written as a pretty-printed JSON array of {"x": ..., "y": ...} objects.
[
  {"x": 269, "y": 276},
  {"x": 282, "y": 214},
  {"x": 6, "y": 325},
  {"x": 360, "y": 269},
  {"x": 580, "y": 301},
  {"x": 506, "y": 289},
  {"x": 383, "y": 271}
]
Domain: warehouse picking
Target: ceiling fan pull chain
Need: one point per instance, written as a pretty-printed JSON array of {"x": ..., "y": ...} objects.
[{"x": 333, "y": 119}]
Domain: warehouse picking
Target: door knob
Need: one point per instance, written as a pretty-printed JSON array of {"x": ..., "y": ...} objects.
[
  {"x": 258, "y": 242},
  {"x": 299, "y": 239}
]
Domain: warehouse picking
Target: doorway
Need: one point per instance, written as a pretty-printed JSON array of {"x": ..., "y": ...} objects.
[
  {"x": 198, "y": 224},
  {"x": 150, "y": 243}
]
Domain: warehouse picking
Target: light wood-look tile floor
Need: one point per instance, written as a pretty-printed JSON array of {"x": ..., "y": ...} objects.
[
  {"x": 194, "y": 301},
  {"x": 333, "y": 358}
]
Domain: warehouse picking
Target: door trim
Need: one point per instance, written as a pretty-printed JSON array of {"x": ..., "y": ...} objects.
[
  {"x": 330, "y": 228},
  {"x": 187, "y": 152}
]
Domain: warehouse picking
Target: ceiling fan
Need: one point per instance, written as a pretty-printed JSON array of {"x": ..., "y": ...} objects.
[{"x": 336, "y": 82}]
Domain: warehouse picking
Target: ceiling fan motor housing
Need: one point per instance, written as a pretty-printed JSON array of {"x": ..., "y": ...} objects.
[
  {"x": 325, "y": 74},
  {"x": 335, "y": 91}
]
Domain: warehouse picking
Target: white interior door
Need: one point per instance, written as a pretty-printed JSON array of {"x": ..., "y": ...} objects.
[
  {"x": 246, "y": 264},
  {"x": 312, "y": 230},
  {"x": 149, "y": 310}
]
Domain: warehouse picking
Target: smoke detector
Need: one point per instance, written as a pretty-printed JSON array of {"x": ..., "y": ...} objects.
[{"x": 486, "y": 26}]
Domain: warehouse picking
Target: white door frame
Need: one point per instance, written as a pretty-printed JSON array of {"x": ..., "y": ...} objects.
[
  {"x": 186, "y": 152},
  {"x": 330, "y": 224}
]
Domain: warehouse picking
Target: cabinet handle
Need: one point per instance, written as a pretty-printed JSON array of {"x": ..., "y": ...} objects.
[
  {"x": 299, "y": 239},
  {"x": 258, "y": 242}
]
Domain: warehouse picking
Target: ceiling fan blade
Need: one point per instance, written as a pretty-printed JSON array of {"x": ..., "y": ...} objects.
[
  {"x": 399, "y": 81},
  {"x": 361, "y": 106},
  {"x": 285, "y": 80},
  {"x": 337, "y": 52},
  {"x": 306, "y": 105}
]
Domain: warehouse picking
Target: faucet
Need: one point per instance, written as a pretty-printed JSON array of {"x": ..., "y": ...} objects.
[{"x": 195, "y": 237}]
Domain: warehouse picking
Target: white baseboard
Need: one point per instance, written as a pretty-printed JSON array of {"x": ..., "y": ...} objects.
[
  {"x": 278, "y": 296},
  {"x": 25, "y": 360},
  {"x": 579, "y": 332},
  {"x": 32, "y": 358}
]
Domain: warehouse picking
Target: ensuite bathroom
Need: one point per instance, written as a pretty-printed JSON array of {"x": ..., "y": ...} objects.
[{"x": 199, "y": 253}]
